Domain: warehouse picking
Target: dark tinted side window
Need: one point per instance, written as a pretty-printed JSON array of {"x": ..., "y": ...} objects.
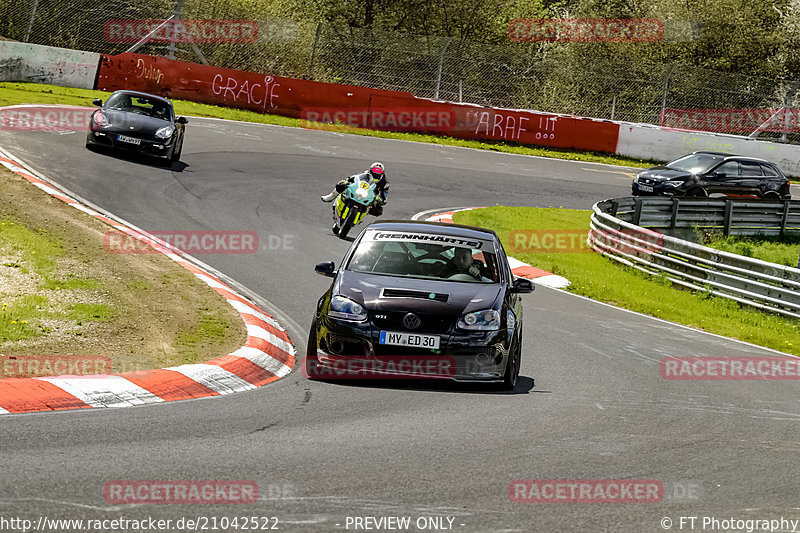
[
  {"x": 729, "y": 168},
  {"x": 750, "y": 168},
  {"x": 505, "y": 267},
  {"x": 769, "y": 170}
]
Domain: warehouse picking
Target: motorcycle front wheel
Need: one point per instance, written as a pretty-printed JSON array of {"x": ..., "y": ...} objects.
[{"x": 348, "y": 223}]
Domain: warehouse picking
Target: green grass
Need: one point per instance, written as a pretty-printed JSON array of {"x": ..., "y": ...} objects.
[
  {"x": 36, "y": 250},
  {"x": 35, "y": 247},
  {"x": 40, "y": 250},
  {"x": 19, "y": 316},
  {"x": 599, "y": 278},
  {"x": 211, "y": 328},
  {"x": 96, "y": 312},
  {"x": 780, "y": 250},
  {"x": 33, "y": 93}
]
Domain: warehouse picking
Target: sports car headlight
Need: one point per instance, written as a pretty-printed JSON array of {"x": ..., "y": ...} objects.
[
  {"x": 347, "y": 309},
  {"x": 165, "y": 132},
  {"x": 486, "y": 320},
  {"x": 100, "y": 120},
  {"x": 673, "y": 183}
]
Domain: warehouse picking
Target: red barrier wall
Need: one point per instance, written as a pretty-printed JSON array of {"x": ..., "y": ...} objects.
[{"x": 290, "y": 97}]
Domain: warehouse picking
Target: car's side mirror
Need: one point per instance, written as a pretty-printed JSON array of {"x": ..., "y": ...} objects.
[
  {"x": 326, "y": 268},
  {"x": 718, "y": 175},
  {"x": 522, "y": 285},
  {"x": 97, "y": 101},
  {"x": 181, "y": 120}
]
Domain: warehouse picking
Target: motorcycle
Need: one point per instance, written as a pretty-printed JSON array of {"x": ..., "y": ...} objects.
[{"x": 352, "y": 204}]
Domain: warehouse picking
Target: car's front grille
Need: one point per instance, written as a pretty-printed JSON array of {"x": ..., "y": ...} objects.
[
  {"x": 393, "y": 321},
  {"x": 405, "y": 293}
]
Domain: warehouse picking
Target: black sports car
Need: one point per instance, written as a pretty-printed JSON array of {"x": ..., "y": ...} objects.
[
  {"x": 422, "y": 300},
  {"x": 701, "y": 174},
  {"x": 137, "y": 121}
]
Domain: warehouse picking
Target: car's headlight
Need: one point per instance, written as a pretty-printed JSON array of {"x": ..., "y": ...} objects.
[
  {"x": 100, "y": 120},
  {"x": 673, "y": 183},
  {"x": 347, "y": 309},
  {"x": 165, "y": 132},
  {"x": 486, "y": 320}
]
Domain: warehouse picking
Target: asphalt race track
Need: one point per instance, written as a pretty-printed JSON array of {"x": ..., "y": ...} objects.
[{"x": 321, "y": 452}]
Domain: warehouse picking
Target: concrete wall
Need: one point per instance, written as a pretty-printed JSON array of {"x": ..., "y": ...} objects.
[{"x": 45, "y": 64}]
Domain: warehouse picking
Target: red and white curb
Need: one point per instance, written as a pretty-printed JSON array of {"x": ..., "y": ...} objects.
[
  {"x": 518, "y": 268},
  {"x": 266, "y": 356}
]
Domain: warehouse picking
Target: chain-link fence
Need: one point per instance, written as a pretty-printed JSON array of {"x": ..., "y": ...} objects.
[{"x": 514, "y": 74}]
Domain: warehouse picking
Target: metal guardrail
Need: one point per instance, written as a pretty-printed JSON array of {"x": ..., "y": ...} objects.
[
  {"x": 617, "y": 232},
  {"x": 732, "y": 217}
]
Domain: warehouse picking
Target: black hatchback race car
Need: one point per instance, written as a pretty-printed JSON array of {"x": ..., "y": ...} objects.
[
  {"x": 422, "y": 300},
  {"x": 702, "y": 174},
  {"x": 140, "y": 122}
]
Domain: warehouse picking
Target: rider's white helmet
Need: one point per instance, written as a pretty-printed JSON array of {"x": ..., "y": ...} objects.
[{"x": 376, "y": 170}]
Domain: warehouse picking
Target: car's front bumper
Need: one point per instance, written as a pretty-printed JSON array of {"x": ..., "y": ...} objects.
[
  {"x": 658, "y": 189},
  {"x": 351, "y": 350},
  {"x": 146, "y": 146}
]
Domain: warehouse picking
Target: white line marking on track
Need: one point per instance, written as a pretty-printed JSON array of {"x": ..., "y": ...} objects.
[
  {"x": 212, "y": 282},
  {"x": 48, "y": 189},
  {"x": 263, "y": 360},
  {"x": 87, "y": 210},
  {"x": 214, "y": 377},
  {"x": 12, "y": 167},
  {"x": 246, "y": 309},
  {"x": 104, "y": 391},
  {"x": 71, "y": 504},
  {"x": 261, "y": 333},
  {"x": 628, "y": 174}
]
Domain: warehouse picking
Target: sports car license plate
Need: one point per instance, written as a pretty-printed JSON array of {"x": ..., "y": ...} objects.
[
  {"x": 126, "y": 139},
  {"x": 645, "y": 188},
  {"x": 410, "y": 339}
]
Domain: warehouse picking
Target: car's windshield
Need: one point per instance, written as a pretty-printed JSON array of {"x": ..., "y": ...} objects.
[
  {"x": 696, "y": 163},
  {"x": 425, "y": 260},
  {"x": 141, "y": 105}
]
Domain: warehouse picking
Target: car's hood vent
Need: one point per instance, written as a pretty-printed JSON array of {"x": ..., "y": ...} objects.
[{"x": 405, "y": 293}]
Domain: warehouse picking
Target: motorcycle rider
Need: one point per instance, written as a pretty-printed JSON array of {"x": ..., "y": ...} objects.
[{"x": 377, "y": 175}]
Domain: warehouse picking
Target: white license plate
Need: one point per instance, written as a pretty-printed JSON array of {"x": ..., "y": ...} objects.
[
  {"x": 645, "y": 188},
  {"x": 126, "y": 139},
  {"x": 413, "y": 340}
]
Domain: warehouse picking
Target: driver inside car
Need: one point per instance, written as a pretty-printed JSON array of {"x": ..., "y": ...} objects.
[{"x": 462, "y": 263}]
